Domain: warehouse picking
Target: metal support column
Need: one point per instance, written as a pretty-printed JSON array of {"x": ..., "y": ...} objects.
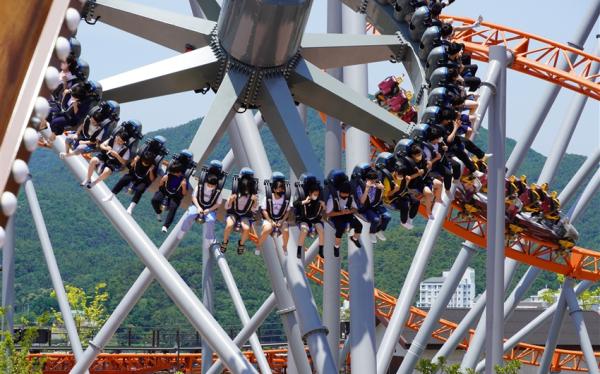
[
  {"x": 589, "y": 165},
  {"x": 473, "y": 315},
  {"x": 541, "y": 319},
  {"x": 8, "y": 277},
  {"x": 586, "y": 196},
  {"x": 419, "y": 343},
  {"x": 567, "y": 127},
  {"x": 551, "y": 91},
  {"x": 53, "y": 270},
  {"x": 135, "y": 293},
  {"x": 259, "y": 317},
  {"x": 240, "y": 308},
  {"x": 417, "y": 268},
  {"x": 259, "y": 162},
  {"x": 584, "y": 337},
  {"x": 552, "y": 338},
  {"x": 164, "y": 272},
  {"x": 333, "y": 160},
  {"x": 208, "y": 291},
  {"x": 360, "y": 260},
  {"x": 132, "y": 296},
  {"x": 495, "y": 215}
]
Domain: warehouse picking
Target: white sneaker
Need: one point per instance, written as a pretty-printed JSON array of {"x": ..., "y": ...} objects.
[
  {"x": 380, "y": 236},
  {"x": 257, "y": 252},
  {"x": 487, "y": 156},
  {"x": 130, "y": 210},
  {"x": 159, "y": 217},
  {"x": 408, "y": 225},
  {"x": 164, "y": 229},
  {"x": 478, "y": 174},
  {"x": 373, "y": 238},
  {"x": 62, "y": 155},
  {"x": 85, "y": 182}
]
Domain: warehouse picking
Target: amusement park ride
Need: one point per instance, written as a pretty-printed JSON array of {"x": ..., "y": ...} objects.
[{"x": 256, "y": 57}]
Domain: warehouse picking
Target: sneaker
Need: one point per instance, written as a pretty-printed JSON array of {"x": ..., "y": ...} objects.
[
  {"x": 158, "y": 217},
  {"x": 356, "y": 242},
  {"x": 373, "y": 238},
  {"x": 85, "y": 183},
  {"x": 380, "y": 236},
  {"x": 130, "y": 210},
  {"x": 62, "y": 155},
  {"x": 408, "y": 225},
  {"x": 257, "y": 252},
  {"x": 486, "y": 156},
  {"x": 164, "y": 229},
  {"x": 478, "y": 174}
]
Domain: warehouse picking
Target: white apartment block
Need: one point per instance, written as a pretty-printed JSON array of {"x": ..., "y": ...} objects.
[{"x": 463, "y": 296}]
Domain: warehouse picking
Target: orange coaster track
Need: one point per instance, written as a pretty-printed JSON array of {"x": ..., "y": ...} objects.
[
  {"x": 533, "y": 55},
  {"x": 526, "y": 353}
]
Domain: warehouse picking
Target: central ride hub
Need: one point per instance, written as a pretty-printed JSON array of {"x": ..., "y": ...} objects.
[{"x": 262, "y": 33}]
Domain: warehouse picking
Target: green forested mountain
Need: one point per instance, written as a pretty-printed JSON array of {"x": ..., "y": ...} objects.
[{"x": 89, "y": 250}]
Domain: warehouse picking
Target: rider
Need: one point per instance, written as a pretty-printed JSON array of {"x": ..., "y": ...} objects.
[
  {"x": 369, "y": 198},
  {"x": 340, "y": 210},
  {"x": 309, "y": 208},
  {"x": 205, "y": 199},
  {"x": 275, "y": 208},
  {"x": 96, "y": 127},
  {"x": 142, "y": 170},
  {"x": 241, "y": 207},
  {"x": 115, "y": 152},
  {"x": 415, "y": 167},
  {"x": 173, "y": 187}
]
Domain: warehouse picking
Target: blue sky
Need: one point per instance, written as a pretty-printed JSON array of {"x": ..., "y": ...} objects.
[{"x": 110, "y": 51}]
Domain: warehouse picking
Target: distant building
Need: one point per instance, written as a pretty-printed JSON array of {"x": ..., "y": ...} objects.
[
  {"x": 537, "y": 302},
  {"x": 463, "y": 296}
]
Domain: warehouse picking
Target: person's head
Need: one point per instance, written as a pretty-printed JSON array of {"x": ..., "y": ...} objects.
[
  {"x": 278, "y": 188},
  {"x": 64, "y": 66},
  {"x": 372, "y": 176},
  {"x": 435, "y": 10},
  {"x": 78, "y": 91},
  {"x": 121, "y": 138},
  {"x": 244, "y": 186},
  {"x": 455, "y": 50},
  {"x": 446, "y": 30},
  {"x": 415, "y": 153},
  {"x": 314, "y": 191},
  {"x": 344, "y": 190},
  {"x": 447, "y": 115},
  {"x": 211, "y": 181}
]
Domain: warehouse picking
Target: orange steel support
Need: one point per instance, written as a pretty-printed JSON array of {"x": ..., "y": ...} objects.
[{"x": 533, "y": 55}]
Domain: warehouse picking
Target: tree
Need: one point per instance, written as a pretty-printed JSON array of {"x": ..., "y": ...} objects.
[
  {"x": 428, "y": 367},
  {"x": 88, "y": 311},
  {"x": 15, "y": 359},
  {"x": 587, "y": 299}
]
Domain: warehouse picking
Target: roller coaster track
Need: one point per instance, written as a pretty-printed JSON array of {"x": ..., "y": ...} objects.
[{"x": 533, "y": 55}]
